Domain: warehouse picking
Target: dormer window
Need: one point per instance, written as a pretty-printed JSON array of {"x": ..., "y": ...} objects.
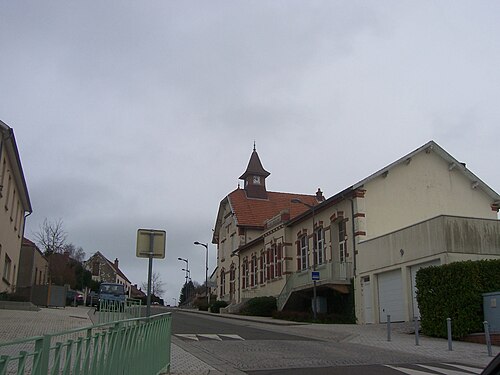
[{"x": 256, "y": 180}]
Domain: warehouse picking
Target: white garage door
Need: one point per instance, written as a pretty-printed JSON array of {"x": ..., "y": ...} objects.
[
  {"x": 413, "y": 271},
  {"x": 390, "y": 296}
]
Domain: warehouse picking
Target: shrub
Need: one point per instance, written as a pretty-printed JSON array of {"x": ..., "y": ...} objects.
[
  {"x": 217, "y": 305},
  {"x": 455, "y": 291},
  {"x": 260, "y": 306}
]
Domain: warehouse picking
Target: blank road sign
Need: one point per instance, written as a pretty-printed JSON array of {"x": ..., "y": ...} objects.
[{"x": 144, "y": 245}]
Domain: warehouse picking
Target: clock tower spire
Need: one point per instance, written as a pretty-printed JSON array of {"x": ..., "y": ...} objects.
[{"x": 255, "y": 177}]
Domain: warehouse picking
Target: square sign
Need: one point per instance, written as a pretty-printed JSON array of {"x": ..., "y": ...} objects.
[
  {"x": 151, "y": 242},
  {"x": 315, "y": 275}
]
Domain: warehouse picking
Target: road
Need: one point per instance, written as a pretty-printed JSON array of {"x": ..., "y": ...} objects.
[{"x": 242, "y": 347}]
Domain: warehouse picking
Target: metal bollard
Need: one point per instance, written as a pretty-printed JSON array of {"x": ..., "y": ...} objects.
[
  {"x": 488, "y": 338},
  {"x": 416, "y": 332},
  {"x": 388, "y": 328},
  {"x": 448, "y": 326}
]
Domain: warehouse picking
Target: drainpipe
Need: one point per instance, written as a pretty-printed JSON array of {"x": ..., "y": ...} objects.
[{"x": 353, "y": 239}]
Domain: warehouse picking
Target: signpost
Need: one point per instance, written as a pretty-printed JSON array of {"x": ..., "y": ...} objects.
[
  {"x": 150, "y": 244},
  {"x": 315, "y": 275}
]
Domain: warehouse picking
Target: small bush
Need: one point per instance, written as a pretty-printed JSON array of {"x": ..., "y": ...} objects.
[
  {"x": 260, "y": 306},
  {"x": 217, "y": 305}
]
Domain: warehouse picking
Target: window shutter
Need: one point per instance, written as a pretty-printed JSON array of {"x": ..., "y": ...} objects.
[
  {"x": 299, "y": 260},
  {"x": 280, "y": 261}
]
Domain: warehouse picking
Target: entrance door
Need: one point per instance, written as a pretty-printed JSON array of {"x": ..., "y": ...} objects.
[{"x": 366, "y": 289}]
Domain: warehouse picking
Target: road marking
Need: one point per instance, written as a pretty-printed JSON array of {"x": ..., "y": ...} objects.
[
  {"x": 442, "y": 370},
  {"x": 233, "y": 337},
  {"x": 474, "y": 370},
  {"x": 434, "y": 369},
  {"x": 210, "y": 336},
  {"x": 187, "y": 336},
  {"x": 408, "y": 371}
]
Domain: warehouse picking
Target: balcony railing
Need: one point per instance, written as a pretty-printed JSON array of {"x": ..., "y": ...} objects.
[{"x": 330, "y": 273}]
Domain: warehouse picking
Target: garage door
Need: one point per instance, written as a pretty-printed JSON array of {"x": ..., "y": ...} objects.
[
  {"x": 413, "y": 271},
  {"x": 390, "y": 296}
]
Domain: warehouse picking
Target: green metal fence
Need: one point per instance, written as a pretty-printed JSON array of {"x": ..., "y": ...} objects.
[
  {"x": 111, "y": 311},
  {"x": 132, "y": 346}
]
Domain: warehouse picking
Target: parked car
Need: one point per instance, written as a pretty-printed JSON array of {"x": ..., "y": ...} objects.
[{"x": 74, "y": 298}]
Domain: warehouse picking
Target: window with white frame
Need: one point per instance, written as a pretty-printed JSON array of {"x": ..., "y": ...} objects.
[
  {"x": 303, "y": 263},
  {"x": 232, "y": 278},
  {"x": 342, "y": 241},
  {"x": 262, "y": 268},
  {"x": 253, "y": 271},
  {"x": 320, "y": 245},
  {"x": 245, "y": 281},
  {"x": 277, "y": 260}
]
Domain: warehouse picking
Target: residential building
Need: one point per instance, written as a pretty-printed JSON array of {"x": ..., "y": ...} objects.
[
  {"x": 424, "y": 209},
  {"x": 15, "y": 205},
  {"x": 103, "y": 270}
]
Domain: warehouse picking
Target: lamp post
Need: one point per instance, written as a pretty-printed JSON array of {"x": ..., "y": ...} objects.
[
  {"x": 187, "y": 271},
  {"x": 206, "y": 269},
  {"x": 312, "y": 208}
]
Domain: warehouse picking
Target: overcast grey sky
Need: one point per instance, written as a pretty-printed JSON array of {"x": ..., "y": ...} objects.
[{"x": 134, "y": 114}]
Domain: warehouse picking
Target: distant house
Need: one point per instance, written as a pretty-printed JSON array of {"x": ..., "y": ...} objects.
[
  {"x": 424, "y": 209},
  {"x": 33, "y": 266},
  {"x": 103, "y": 270},
  {"x": 14, "y": 206}
]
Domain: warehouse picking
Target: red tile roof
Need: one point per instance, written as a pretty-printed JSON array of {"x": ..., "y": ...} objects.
[{"x": 254, "y": 212}]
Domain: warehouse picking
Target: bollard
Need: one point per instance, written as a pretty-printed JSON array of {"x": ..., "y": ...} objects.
[
  {"x": 448, "y": 326},
  {"x": 388, "y": 328},
  {"x": 416, "y": 332},
  {"x": 488, "y": 338}
]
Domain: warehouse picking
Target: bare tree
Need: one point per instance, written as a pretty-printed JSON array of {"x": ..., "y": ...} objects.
[
  {"x": 51, "y": 236},
  {"x": 157, "y": 285},
  {"x": 76, "y": 253}
]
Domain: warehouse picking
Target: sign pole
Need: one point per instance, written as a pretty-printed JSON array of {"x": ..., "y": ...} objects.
[{"x": 150, "y": 271}]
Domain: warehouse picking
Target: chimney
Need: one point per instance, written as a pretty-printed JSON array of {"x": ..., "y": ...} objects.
[
  {"x": 319, "y": 196},
  {"x": 116, "y": 263}
]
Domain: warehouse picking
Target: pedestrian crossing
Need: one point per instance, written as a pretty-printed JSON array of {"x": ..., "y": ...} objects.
[
  {"x": 208, "y": 336},
  {"x": 441, "y": 368}
]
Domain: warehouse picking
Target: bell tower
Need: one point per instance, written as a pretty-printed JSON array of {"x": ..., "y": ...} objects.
[{"x": 255, "y": 177}]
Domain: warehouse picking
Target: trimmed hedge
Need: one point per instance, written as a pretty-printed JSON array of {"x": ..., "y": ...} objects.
[
  {"x": 455, "y": 291},
  {"x": 217, "y": 305},
  {"x": 260, "y": 306}
]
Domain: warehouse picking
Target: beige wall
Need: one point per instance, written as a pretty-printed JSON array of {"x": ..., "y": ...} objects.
[
  {"x": 11, "y": 223},
  {"x": 417, "y": 191}
]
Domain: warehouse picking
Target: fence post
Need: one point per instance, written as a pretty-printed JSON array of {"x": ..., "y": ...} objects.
[
  {"x": 388, "y": 328},
  {"x": 448, "y": 326},
  {"x": 488, "y": 338},
  {"x": 42, "y": 347},
  {"x": 416, "y": 332}
]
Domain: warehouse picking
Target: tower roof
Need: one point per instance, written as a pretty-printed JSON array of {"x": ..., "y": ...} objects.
[{"x": 254, "y": 167}]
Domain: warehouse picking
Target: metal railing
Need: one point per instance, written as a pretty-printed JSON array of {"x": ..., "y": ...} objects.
[
  {"x": 330, "y": 273},
  {"x": 132, "y": 346},
  {"x": 111, "y": 311}
]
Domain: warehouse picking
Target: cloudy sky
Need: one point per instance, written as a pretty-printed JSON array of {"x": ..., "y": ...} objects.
[{"x": 133, "y": 114}]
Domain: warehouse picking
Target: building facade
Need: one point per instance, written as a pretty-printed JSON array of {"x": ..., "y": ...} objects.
[
  {"x": 376, "y": 234},
  {"x": 14, "y": 207},
  {"x": 103, "y": 270}
]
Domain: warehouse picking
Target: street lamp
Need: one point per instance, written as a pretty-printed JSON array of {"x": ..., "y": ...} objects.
[
  {"x": 187, "y": 271},
  {"x": 206, "y": 269},
  {"x": 312, "y": 208}
]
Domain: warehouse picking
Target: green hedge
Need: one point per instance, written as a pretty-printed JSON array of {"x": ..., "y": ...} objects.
[
  {"x": 260, "y": 306},
  {"x": 455, "y": 291},
  {"x": 217, "y": 305}
]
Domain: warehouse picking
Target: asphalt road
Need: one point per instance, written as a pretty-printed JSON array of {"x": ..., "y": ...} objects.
[{"x": 234, "y": 346}]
